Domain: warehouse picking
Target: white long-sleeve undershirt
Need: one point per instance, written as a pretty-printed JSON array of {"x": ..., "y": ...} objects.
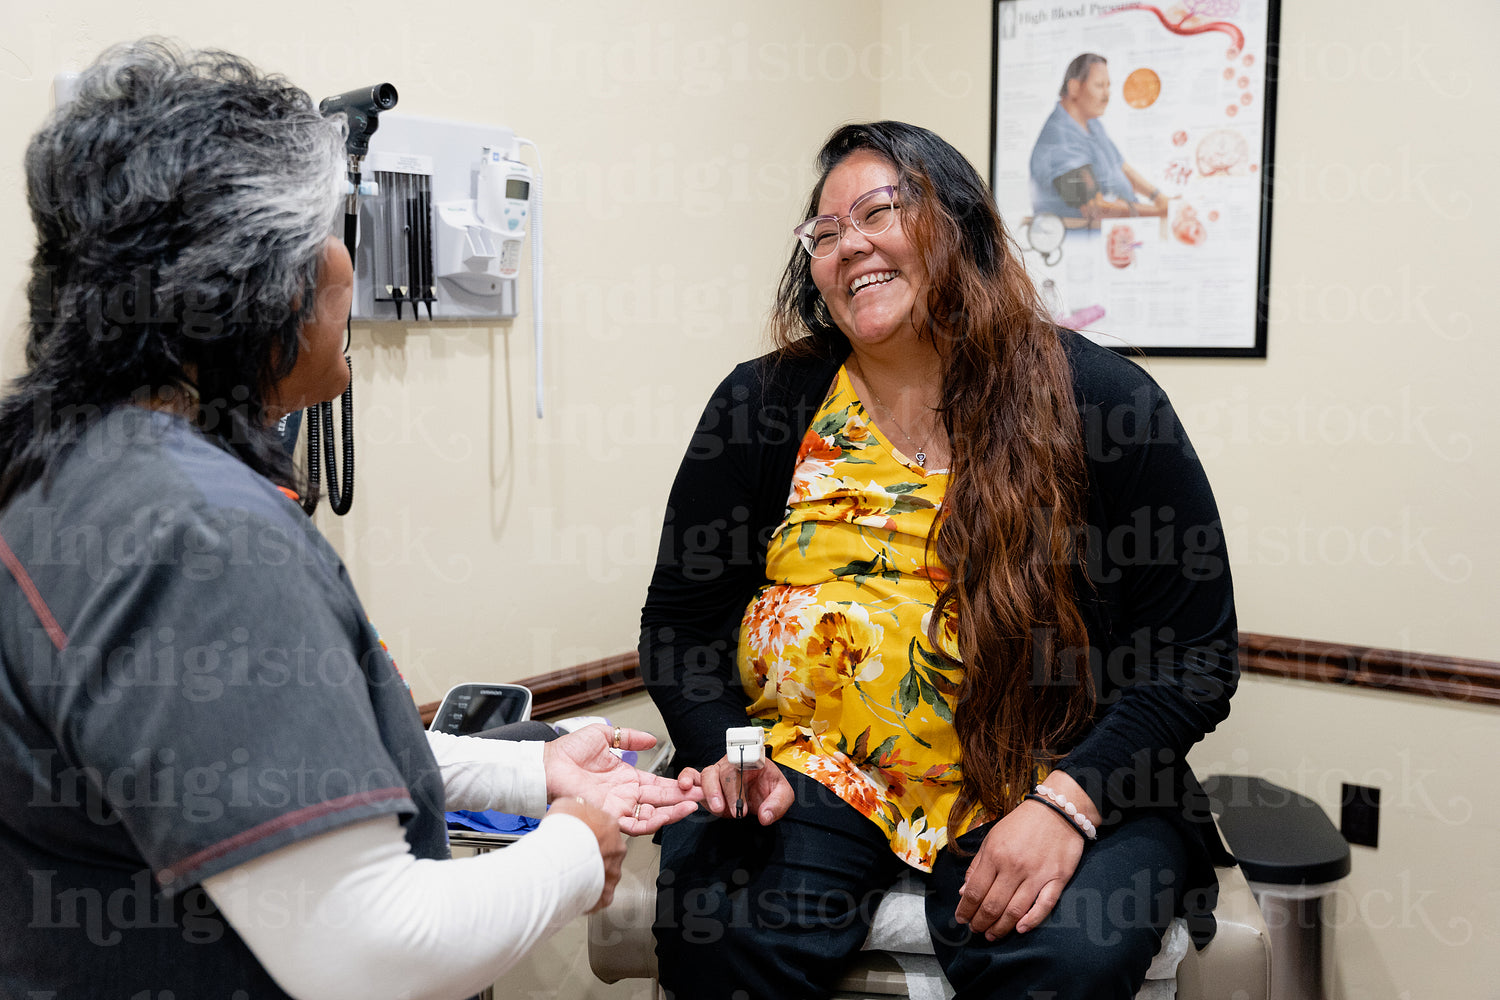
[
  {"x": 491, "y": 774},
  {"x": 352, "y": 913}
]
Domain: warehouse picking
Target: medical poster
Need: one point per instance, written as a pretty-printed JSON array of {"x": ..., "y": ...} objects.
[{"x": 1131, "y": 160}]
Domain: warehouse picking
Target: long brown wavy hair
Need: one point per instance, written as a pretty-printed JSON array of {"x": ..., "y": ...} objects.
[{"x": 1014, "y": 506}]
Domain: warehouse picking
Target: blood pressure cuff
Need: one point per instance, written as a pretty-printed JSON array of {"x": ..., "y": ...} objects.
[{"x": 1077, "y": 187}]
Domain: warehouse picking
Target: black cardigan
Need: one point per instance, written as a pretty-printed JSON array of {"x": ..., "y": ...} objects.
[{"x": 1155, "y": 592}]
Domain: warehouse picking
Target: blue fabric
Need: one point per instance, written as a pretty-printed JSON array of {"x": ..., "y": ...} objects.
[
  {"x": 1064, "y": 145},
  {"x": 492, "y": 821}
]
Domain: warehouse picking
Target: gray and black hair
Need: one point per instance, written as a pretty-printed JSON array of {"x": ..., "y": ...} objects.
[
  {"x": 181, "y": 203},
  {"x": 1079, "y": 68}
]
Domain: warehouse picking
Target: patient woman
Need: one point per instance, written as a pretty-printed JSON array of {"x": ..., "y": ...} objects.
[
  {"x": 213, "y": 781},
  {"x": 964, "y": 570}
]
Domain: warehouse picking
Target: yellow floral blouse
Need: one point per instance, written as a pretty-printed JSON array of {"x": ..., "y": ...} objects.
[{"x": 834, "y": 652}]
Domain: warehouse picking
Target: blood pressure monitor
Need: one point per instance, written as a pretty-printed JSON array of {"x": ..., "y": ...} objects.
[{"x": 473, "y": 708}]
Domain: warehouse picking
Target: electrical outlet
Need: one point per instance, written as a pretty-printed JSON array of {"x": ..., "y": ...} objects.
[{"x": 1359, "y": 819}]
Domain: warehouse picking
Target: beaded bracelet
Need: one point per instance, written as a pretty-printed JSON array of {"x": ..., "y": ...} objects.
[
  {"x": 1029, "y": 797},
  {"x": 1059, "y": 801}
]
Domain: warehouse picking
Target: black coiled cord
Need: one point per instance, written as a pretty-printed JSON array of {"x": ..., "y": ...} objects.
[
  {"x": 320, "y": 420},
  {"x": 320, "y": 430}
]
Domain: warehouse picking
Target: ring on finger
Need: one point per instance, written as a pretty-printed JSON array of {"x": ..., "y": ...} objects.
[{"x": 616, "y": 741}]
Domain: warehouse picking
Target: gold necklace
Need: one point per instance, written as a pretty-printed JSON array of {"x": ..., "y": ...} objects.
[{"x": 921, "y": 455}]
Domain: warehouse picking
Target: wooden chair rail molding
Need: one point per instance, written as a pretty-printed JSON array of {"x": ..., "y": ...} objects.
[{"x": 1451, "y": 678}]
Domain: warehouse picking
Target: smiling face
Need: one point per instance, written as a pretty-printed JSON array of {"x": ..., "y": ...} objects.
[{"x": 870, "y": 283}]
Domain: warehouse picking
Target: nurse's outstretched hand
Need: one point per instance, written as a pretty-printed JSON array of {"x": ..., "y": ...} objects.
[{"x": 581, "y": 764}]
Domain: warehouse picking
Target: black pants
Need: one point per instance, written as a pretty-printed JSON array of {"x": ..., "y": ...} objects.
[{"x": 746, "y": 912}]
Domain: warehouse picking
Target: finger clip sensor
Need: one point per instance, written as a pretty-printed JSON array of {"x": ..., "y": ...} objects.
[{"x": 745, "y": 749}]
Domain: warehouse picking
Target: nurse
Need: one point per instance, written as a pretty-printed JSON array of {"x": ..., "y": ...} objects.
[{"x": 213, "y": 781}]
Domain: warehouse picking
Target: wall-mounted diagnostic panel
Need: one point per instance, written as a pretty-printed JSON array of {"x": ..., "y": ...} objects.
[{"x": 442, "y": 226}]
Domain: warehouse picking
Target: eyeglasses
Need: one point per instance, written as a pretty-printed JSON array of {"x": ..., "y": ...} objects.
[{"x": 872, "y": 214}]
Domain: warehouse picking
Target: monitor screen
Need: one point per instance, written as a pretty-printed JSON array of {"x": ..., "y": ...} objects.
[{"x": 487, "y": 710}]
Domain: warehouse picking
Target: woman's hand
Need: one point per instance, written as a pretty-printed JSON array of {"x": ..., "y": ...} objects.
[
  {"x": 1024, "y": 864},
  {"x": 606, "y": 830},
  {"x": 767, "y": 793},
  {"x": 580, "y": 764}
]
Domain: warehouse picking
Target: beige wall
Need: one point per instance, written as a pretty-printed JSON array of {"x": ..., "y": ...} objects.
[
  {"x": 1351, "y": 465},
  {"x": 677, "y": 140}
]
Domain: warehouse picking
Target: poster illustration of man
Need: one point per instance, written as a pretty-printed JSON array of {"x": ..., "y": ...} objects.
[
  {"x": 1077, "y": 173},
  {"x": 1129, "y": 156}
]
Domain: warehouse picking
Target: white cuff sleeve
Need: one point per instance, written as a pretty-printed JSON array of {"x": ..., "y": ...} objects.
[
  {"x": 491, "y": 774},
  {"x": 402, "y": 927}
]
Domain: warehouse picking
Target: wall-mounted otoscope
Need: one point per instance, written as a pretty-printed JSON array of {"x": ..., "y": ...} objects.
[{"x": 362, "y": 107}]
